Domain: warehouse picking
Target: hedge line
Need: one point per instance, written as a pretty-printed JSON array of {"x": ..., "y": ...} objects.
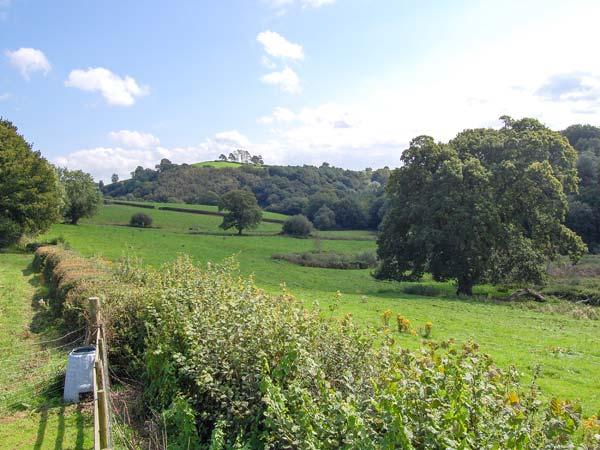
[
  {"x": 137, "y": 205},
  {"x": 210, "y": 213},
  {"x": 71, "y": 281}
]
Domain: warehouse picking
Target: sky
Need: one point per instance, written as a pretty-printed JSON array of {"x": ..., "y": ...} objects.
[{"x": 106, "y": 86}]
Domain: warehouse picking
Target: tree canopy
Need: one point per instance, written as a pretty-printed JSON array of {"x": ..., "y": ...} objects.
[
  {"x": 490, "y": 205},
  {"x": 82, "y": 196},
  {"x": 584, "y": 211},
  {"x": 242, "y": 209},
  {"x": 30, "y": 195}
]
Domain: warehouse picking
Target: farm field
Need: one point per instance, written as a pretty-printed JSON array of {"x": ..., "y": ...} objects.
[
  {"x": 523, "y": 334},
  {"x": 31, "y": 411}
]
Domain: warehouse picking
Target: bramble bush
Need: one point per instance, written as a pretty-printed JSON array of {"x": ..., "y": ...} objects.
[{"x": 234, "y": 367}]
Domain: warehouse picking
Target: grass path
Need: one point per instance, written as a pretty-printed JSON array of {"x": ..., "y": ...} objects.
[{"x": 32, "y": 415}]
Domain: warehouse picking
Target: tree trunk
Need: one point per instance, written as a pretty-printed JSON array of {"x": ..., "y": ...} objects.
[
  {"x": 465, "y": 287},
  {"x": 240, "y": 231}
]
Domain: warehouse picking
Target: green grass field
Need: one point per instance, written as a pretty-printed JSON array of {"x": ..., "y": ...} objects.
[
  {"x": 217, "y": 164},
  {"x": 31, "y": 411},
  {"x": 564, "y": 347}
]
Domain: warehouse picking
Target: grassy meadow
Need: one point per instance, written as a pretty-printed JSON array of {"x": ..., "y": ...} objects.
[
  {"x": 218, "y": 164},
  {"x": 524, "y": 334},
  {"x": 31, "y": 411}
]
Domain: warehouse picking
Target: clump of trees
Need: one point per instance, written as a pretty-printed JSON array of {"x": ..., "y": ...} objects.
[
  {"x": 297, "y": 225},
  {"x": 584, "y": 206},
  {"x": 489, "y": 206},
  {"x": 243, "y": 157},
  {"x": 140, "y": 220},
  {"x": 242, "y": 211},
  {"x": 82, "y": 197},
  {"x": 30, "y": 192}
]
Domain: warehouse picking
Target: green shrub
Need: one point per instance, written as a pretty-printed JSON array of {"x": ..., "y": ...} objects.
[
  {"x": 140, "y": 220},
  {"x": 10, "y": 232},
  {"x": 261, "y": 371},
  {"x": 297, "y": 225}
]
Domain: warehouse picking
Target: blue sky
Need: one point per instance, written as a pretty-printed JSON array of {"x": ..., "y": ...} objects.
[{"x": 105, "y": 86}]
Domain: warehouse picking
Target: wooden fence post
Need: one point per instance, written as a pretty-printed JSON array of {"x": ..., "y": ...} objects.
[{"x": 102, "y": 434}]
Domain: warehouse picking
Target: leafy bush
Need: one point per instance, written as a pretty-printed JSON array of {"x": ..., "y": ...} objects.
[
  {"x": 140, "y": 220},
  {"x": 297, "y": 225},
  {"x": 331, "y": 260},
  {"x": 251, "y": 370},
  {"x": 10, "y": 232},
  {"x": 229, "y": 366}
]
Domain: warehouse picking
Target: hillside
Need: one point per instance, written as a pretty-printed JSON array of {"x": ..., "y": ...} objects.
[{"x": 333, "y": 198}]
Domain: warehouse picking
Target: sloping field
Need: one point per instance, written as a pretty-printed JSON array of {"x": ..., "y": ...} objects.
[{"x": 524, "y": 334}]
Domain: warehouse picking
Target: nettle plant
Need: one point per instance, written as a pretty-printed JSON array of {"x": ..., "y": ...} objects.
[{"x": 231, "y": 366}]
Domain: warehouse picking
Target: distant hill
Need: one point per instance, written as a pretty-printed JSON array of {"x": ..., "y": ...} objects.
[{"x": 331, "y": 197}]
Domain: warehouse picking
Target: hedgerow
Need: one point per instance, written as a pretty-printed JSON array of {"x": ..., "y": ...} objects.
[{"x": 228, "y": 365}]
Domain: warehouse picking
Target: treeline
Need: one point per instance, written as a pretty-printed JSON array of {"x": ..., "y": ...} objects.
[
  {"x": 584, "y": 207},
  {"x": 330, "y": 197}
]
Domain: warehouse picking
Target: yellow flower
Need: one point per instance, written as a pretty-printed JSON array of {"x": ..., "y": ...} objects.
[{"x": 513, "y": 398}]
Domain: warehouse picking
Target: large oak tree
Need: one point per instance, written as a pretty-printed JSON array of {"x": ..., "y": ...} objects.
[{"x": 489, "y": 206}]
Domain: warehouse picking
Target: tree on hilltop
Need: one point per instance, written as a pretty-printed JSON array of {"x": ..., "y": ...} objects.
[{"x": 489, "y": 206}]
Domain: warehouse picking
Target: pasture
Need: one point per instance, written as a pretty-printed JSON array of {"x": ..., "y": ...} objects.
[
  {"x": 524, "y": 334},
  {"x": 32, "y": 414}
]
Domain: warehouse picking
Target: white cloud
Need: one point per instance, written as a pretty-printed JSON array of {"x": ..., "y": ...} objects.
[
  {"x": 232, "y": 138},
  {"x": 4, "y": 96},
  {"x": 134, "y": 139},
  {"x": 115, "y": 90},
  {"x": 278, "y": 46},
  {"x": 29, "y": 60},
  {"x": 103, "y": 161},
  {"x": 281, "y": 4},
  {"x": 287, "y": 80}
]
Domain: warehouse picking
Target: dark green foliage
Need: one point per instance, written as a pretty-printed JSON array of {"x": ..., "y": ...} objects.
[
  {"x": 331, "y": 260},
  {"x": 488, "y": 206},
  {"x": 350, "y": 214},
  {"x": 242, "y": 211},
  {"x": 423, "y": 289},
  {"x": 297, "y": 225},
  {"x": 584, "y": 208},
  {"x": 140, "y": 220},
  {"x": 82, "y": 197},
  {"x": 137, "y": 205},
  {"x": 30, "y": 195},
  {"x": 324, "y": 218}
]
